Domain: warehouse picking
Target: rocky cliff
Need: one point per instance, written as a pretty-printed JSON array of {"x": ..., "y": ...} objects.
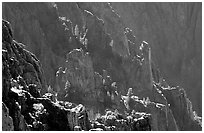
[
  {"x": 24, "y": 107},
  {"x": 88, "y": 56},
  {"x": 174, "y": 32}
]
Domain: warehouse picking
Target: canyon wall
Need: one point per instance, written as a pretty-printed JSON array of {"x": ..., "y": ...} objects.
[
  {"x": 174, "y": 31},
  {"x": 92, "y": 53}
]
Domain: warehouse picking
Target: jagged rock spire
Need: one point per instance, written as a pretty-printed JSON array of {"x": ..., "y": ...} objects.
[{"x": 146, "y": 53}]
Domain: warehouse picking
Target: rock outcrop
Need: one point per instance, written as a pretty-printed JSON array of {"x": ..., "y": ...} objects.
[
  {"x": 181, "y": 107},
  {"x": 178, "y": 26},
  {"x": 90, "y": 60},
  {"x": 7, "y": 121},
  {"x": 114, "y": 121},
  {"x": 24, "y": 107},
  {"x": 174, "y": 32}
]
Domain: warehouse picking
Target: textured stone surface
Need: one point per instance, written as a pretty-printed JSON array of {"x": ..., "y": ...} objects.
[
  {"x": 7, "y": 121},
  {"x": 42, "y": 32},
  {"x": 22, "y": 82},
  {"x": 173, "y": 31},
  {"x": 170, "y": 29},
  {"x": 20, "y": 70},
  {"x": 80, "y": 84},
  {"x": 79, "y": 70},
  {"x": 161, "y": 117},
  {"x": 114, "y": 121},
  {"x": 89, "y": 57},
  {"x": 181, "y": 107}
]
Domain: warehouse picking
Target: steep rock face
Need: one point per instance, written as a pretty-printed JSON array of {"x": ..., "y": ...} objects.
[
  {"x": 19, "y": 65},
  {"x": 7, "y": 121},
  {"x": 21, "y": 70},
  {"x": 158, "y": 23},
  {"x": 77, "y": 59},
  {"x": 79, "y": 83},
  {"x": 101, "y": 45},
  {"x": 145, "y": 24},
  {"x": 174, "y": 32},
  {"x": 23, "y": 106},
  {"x": 181, "y": 107},
  {"x": 30, "y": 111},
  {"x": 161, "y": 115},
  {"x": 42, "y": 32},
  {"x": 112, "y": 24},
  {"x": 36, "y": 28},
  {"x": 76, "y": 77}
]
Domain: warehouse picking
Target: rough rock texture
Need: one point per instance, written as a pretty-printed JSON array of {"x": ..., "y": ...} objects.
[
  {"x": 174, "y": 32},
  {"x": 43, "y": 33},
  {"x": 7, "y": 121},
  {"x": 177, "y": 25},
  {"x": 114, "y": 121},
  {"x": 52, "y": 50},
  {"x": 181, "y": 107},
  {"x": 22, "y": 81},
  {"x": 20, "y": 69},
  {"x": 89, "y": 57},
  {"x": 80, "y": 84}
]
